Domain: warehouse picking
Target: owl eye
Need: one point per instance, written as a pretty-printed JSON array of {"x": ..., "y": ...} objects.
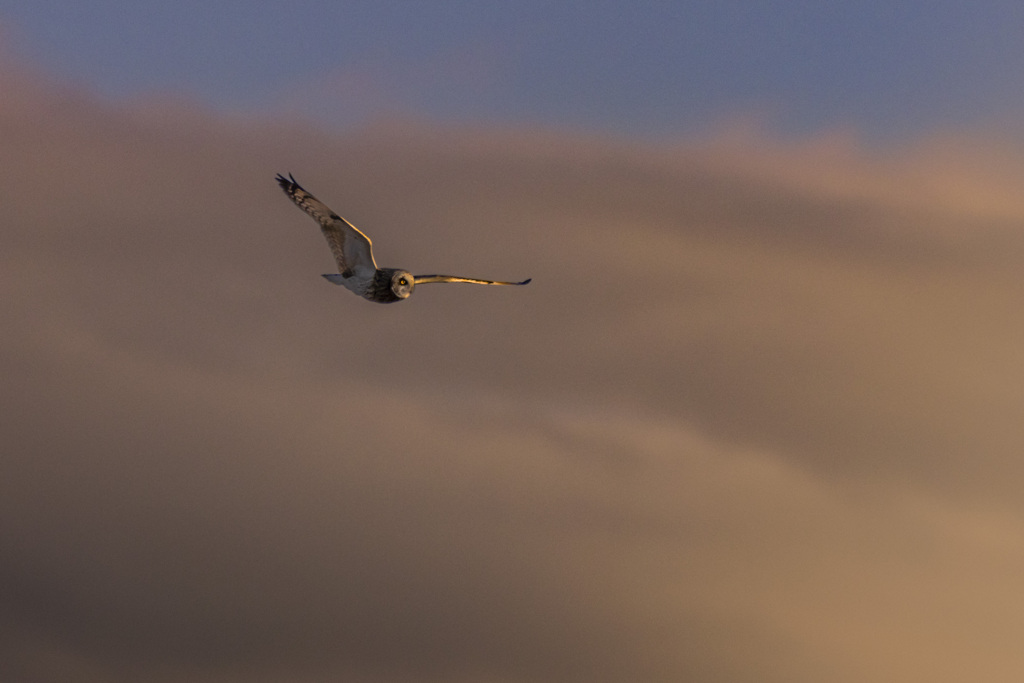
[{"x": 403, "y": 282}]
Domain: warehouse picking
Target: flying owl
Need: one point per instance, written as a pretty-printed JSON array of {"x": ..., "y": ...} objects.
[{"x": 358, "y": 272}]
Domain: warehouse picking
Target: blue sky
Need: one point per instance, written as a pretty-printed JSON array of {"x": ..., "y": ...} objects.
[{"x": 636, "y": 68}]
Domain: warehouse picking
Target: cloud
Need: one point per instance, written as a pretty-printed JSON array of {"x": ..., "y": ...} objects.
[{"x": 754, "y": 419}]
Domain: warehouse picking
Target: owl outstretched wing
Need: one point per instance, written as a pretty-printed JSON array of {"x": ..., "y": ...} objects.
[
  {"x": 352, "y": 250},
  {"x": 426, "y": 279}
]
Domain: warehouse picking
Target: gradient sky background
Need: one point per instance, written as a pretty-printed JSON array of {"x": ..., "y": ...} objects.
[
  {"x": 757, "y": 417},
  {"x": 650, "y": 68}
]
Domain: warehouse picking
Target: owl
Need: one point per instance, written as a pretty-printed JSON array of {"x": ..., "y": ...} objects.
[{"x": 353, "y": 251}]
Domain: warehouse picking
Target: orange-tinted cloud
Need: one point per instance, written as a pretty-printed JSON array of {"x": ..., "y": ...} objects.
[{"x": 756, "y": 418}]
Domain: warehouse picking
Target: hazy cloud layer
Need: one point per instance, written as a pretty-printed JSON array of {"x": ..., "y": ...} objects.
[{"x": 756, "y": 419}]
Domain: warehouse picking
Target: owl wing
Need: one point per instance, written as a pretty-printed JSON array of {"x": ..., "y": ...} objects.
[
  {"x": 426, "y": 279},
  {"x": 351, "y": 248}
]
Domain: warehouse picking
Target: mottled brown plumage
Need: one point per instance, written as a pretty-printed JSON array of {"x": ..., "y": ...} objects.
[{"x": 353, "y": 252}]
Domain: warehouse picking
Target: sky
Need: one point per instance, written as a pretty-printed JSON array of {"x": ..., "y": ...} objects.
[
  {"x": 756, "y": 418},
  {"x": 644, "y": 69}
]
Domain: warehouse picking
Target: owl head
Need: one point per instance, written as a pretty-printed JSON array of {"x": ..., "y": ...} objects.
[{"x": 402, "y": 283}]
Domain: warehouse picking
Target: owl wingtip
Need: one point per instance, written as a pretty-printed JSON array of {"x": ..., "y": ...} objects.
[{"x": 285, "y": 182}]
